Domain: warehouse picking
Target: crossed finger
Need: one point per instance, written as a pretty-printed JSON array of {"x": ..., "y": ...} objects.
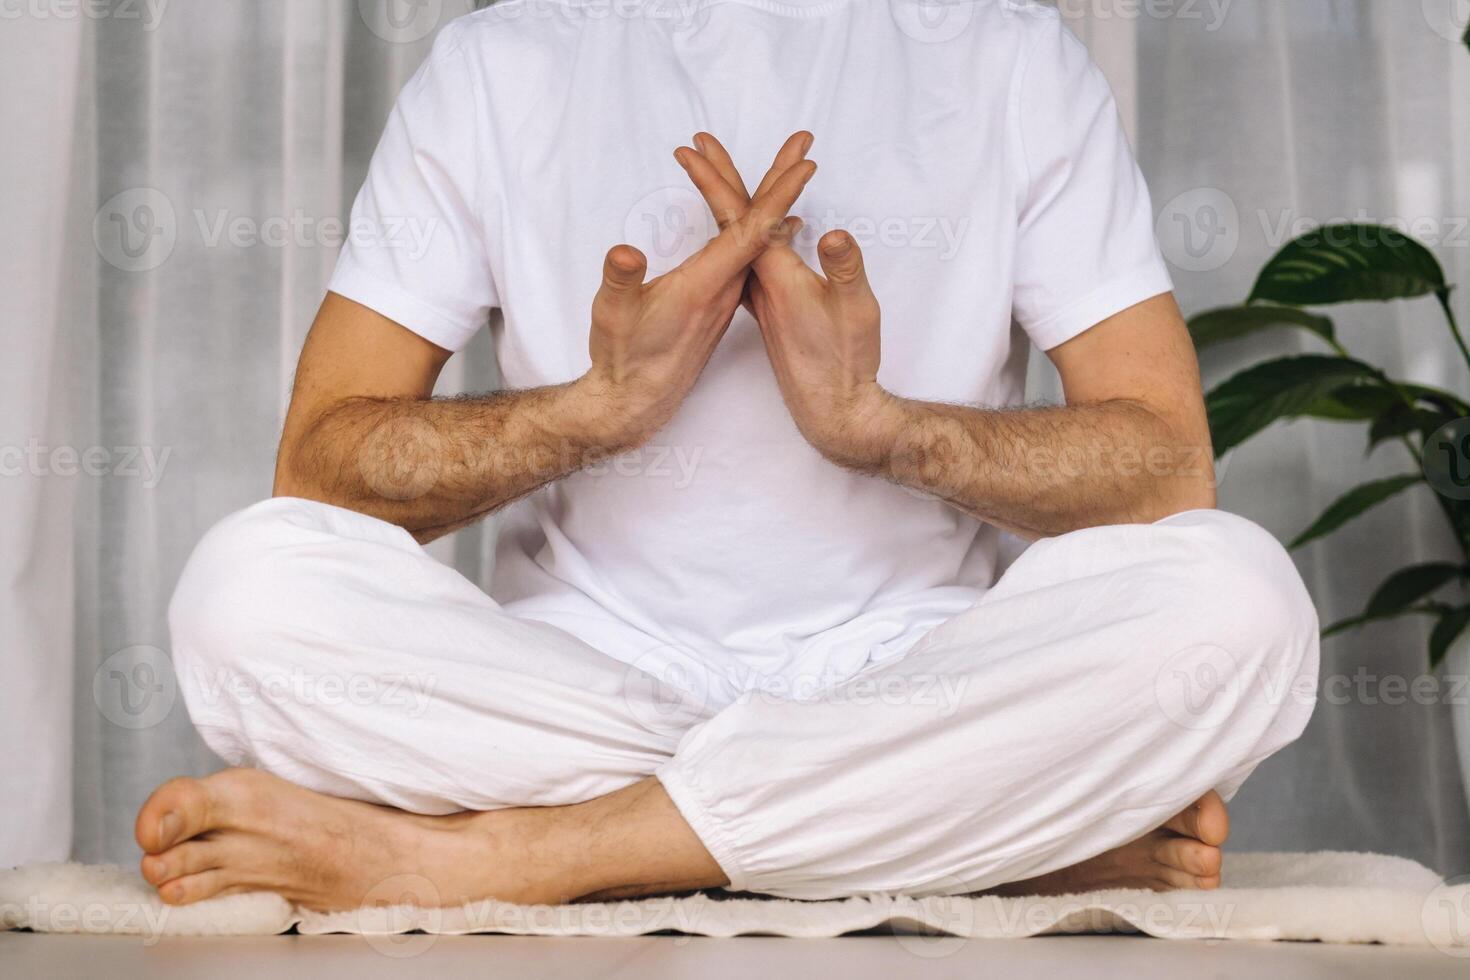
[{"x": 748, "y": 225}]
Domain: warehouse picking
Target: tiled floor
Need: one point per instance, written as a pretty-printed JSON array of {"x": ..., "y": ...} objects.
[{"x": 24, "y": 956}]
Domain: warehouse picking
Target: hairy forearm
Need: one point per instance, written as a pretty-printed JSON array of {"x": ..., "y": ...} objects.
[
  {"x": 1045, "y": 471},
  {"x": 432, "y": 466}
]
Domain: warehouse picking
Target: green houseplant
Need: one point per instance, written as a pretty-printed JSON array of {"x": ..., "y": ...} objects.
[{"x": 1336, "y": 264}]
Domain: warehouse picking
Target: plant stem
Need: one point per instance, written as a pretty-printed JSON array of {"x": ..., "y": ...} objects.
[
  {"x": 1444, "y": 301},
  {"x": 1451, "y": 511},
  {"x": 1404, "y": 396}
]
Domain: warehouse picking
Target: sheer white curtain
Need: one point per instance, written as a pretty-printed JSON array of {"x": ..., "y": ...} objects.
[
  {"x": 1312, "y": 111},
  {"x": 176, "y": 181},
  {"x": 157, "y": 331}
]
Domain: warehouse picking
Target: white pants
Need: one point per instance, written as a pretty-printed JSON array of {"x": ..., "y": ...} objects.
[{"x": 1110, "y": 678}]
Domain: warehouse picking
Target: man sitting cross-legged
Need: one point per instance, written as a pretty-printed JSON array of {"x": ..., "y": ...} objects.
[{"x": 797, "y": 668}]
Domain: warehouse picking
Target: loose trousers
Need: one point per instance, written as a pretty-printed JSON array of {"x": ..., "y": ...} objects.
[{"x": 1109, "y": 678}]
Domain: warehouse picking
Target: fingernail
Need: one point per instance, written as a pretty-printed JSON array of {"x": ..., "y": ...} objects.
[
  {"x": 837, "y": 249},
  {"x": 168, "y": 829},
  {"x": 679, "y": 156},
  {"x": 810, "y": 174},
  {"x": 806, "y": 144}
]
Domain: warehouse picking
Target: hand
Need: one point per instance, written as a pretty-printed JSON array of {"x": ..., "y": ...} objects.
[
  {"x": 821, "y": 333},
  {"x": 650, "y": 341}
]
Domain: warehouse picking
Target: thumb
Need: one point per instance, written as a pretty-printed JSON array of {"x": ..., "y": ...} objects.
[
  {"x": 842, "y": 262},
  {"x": 622, "y": 273}
]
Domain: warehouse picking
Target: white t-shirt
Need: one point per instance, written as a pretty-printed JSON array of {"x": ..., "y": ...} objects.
[{"x": 973, "y": 150}]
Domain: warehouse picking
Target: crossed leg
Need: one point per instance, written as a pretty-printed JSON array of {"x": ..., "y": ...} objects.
[{"x": 537, "y": 770}]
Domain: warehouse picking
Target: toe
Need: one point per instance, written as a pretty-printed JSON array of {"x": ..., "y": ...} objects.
[
  {"x": 193, "y": 888},
  {"x": 188, "y": 858},
  {"x": 1172, "y": 879},
  {"x": 1207, "y": 820},
  {"x": 1189, "y": 856},
  {"x": 177, "y": 811},
  {"x": 1187, "y": 863}
]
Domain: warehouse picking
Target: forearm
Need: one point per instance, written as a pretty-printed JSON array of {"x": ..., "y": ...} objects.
[
  {"x": 1041, "y": 472},
  {"x": 431, "y": 466}
]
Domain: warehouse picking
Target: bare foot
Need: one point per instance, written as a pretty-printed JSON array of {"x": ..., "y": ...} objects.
[
  {"x": 244, "y": 830},
  {"x": 1182, "y": 854}
]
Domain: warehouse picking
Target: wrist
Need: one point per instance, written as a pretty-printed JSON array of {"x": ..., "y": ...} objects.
[
  {"x": 607, "y": 418},
  {"x": 863, "y": 432}
]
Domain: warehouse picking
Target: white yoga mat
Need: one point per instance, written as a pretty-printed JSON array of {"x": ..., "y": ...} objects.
[{"x": 1329, "y": 897}]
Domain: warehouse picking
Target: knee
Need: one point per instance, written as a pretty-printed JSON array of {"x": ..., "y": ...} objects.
[
  {"x": 1242, "y": 588},
  {"x": 1247, "y": 626},
  {"x": 224, "y": 584},
  {"x": 237, "y": 595}
]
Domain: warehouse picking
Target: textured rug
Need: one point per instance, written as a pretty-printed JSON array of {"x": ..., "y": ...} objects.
[{"x": 1329, "y": 897}]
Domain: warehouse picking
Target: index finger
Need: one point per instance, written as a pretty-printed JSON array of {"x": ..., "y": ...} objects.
[
  {"x": 714, "y": 151},
  {"x": 740, "y": 243},
  {"x": 726, "y": 201},
  {"x": 793, "y": 150}
]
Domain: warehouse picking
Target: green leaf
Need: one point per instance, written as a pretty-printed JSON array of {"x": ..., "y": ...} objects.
[
  {"x": 1452, "y": 405},
  {"x": 1451, "y": 624},
  {"x": 1356, "y": 402},
  {"x": 1280, "y": 389},
  {"x": 1233, "y": 322},
  {"x": 1353, "y": 622},
  {"x": 1355, "y": 502},
  {"x": 1401, "y": 420},
  {"x": 1349, "y": 263},
  {"x": 1408, "y": 585}
]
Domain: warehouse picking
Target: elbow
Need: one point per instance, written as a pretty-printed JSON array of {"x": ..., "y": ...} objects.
[
  {"x": 1181, "y": 495},
  {"x": 291, "y": 480}
]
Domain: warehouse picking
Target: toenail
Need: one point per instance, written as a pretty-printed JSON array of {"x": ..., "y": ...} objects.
[{"x": 168, "y": 829}]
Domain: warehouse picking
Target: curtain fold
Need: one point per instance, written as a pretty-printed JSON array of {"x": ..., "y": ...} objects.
[
  {"x": 185, "y": 180},
  {"x": 1274, "y": 119},
  {"x": 42, "y": 73}
]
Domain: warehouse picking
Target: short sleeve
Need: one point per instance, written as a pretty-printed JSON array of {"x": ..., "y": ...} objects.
[
  {"x": 415, "y": 249},
  {"x": 1086, "y": 248}
]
